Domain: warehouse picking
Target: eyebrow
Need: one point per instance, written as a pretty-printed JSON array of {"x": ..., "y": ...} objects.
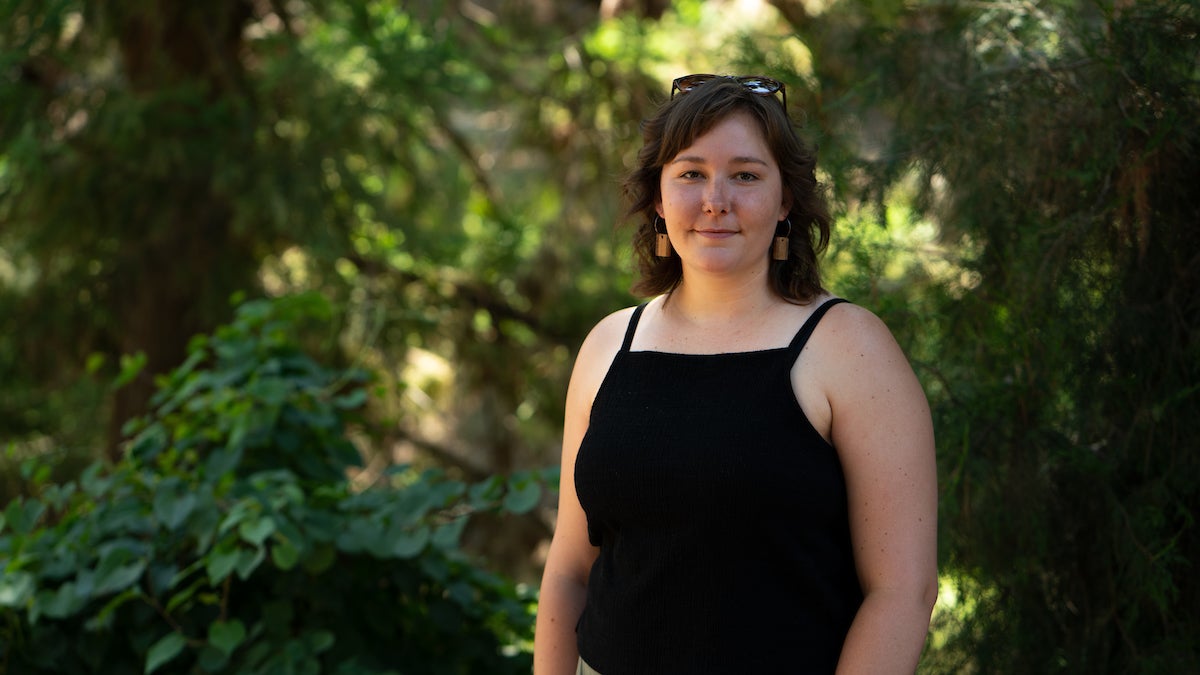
[{"x": 696, "y": 159}]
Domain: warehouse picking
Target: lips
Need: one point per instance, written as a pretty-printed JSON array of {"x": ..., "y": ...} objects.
[{"x": 716, "y": 234}]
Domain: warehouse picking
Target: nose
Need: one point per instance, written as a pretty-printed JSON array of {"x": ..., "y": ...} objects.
[{"x": 715, "y": 200}]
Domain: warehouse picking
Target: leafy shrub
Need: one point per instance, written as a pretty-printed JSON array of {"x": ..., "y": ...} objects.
[{"x": 228, "y": 540}]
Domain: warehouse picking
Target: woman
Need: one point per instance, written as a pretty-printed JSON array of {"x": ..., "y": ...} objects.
[{"x": 748, "y": 480}]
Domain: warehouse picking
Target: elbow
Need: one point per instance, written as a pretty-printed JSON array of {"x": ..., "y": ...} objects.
[
  {"x": 925, "y": 596},
  {"x": 915, "y": 599},
  {"x": 929, "y": 594}
]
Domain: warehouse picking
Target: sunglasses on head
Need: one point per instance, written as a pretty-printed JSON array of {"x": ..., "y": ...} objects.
[{"x": 757, "y": 84}]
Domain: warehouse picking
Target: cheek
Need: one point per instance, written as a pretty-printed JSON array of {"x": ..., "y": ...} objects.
[{"x": 669, "y": 202}]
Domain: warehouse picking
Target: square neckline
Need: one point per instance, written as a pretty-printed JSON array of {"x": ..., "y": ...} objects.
[{"x": 797, "y": 343}]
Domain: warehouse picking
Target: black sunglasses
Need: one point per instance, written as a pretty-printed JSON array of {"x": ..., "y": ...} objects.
[{"x": 757, "y": 84}]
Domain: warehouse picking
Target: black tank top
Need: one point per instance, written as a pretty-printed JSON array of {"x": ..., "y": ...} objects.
[{"x": 720, "y": 514}]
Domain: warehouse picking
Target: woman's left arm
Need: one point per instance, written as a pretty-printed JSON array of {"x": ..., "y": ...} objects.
[{"x": 883, "y": 433}]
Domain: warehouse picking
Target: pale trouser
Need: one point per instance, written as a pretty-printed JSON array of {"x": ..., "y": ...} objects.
[{"x": 585, "y": 669}]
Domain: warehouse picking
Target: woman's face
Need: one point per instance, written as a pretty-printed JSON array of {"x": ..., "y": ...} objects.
[{"x": 721, "y": 199}]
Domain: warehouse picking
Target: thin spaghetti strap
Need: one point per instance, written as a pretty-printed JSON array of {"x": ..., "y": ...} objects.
[
  {"x": 633, "y": 322},
  {"x": 810, "y": 325}
]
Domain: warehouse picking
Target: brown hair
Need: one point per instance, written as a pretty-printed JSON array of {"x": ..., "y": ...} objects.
[{"x": 676, "y": 125}]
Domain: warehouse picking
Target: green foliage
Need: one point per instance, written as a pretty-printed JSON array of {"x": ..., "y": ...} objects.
[
  {"x": 1054, "y": 145},
  {"x": 248, "y": 400},
  {"x": 1014, "y": 186},
  {"x": 402, "y": 160},
  {"x": 229, "y": 539}
]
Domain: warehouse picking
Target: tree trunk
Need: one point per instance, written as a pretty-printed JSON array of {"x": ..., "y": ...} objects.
[{"x": 176, "y": 281}]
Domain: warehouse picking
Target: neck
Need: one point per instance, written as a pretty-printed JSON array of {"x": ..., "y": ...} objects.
[{"x": 708, "y": 300}]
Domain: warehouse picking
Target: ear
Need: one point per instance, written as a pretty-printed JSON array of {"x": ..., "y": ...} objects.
[
  {"x": 658, "y": 207},
  {"x": 785, "y": 207}
]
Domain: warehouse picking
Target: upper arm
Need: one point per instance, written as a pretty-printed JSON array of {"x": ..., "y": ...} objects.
[
  {"x": 883, "y": 432},
  {"x": 571, "y": 553}
]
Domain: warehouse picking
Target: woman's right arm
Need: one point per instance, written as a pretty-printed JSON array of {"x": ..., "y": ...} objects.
[{"x": 564, "y": 580}]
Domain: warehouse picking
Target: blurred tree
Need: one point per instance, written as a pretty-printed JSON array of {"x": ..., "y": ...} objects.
[
  {"x": 155, "y": 156},
  {"x": 1014, "y": 185},
  {"x": 408, "y": 163},
  {"x": 1055, "y": 146},
  {"x": 123, "y": 124}
]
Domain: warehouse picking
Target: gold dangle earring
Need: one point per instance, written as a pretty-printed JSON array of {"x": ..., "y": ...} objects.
[
  {"x": 662, "y": 244},
  {"x": 779, "y": 249}
]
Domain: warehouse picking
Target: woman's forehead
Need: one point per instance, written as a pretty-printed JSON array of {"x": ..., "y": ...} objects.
[{"x": 739, "y": 130}]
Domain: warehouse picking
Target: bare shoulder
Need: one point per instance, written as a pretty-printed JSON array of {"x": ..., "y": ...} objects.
[
  {"x": 858, "y": 359},
  {"x": 868, "y": 382},
  {"x": 853, "y": 330},
  {"x": 597, "y": 352},
  {"x": 604, "y": 340},
  {"x": 853, "y": 338}
]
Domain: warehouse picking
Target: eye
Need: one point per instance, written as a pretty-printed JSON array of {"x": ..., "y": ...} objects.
[
  {"x": 746, "y": 176},
  {"x": 691, "y": 174}
]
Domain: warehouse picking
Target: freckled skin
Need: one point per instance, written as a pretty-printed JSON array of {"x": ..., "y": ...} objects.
[{"x": 721, "y": 199}]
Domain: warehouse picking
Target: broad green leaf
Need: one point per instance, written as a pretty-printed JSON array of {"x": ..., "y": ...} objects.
[
  {"x": 239, "y": 513},
  {"x": 319, "y": 640},
  {"x": 41, "y": 475},
  {"x": 93, "y": 481},
  {"x": 225, "y": 636},
  {"x": 361, "y": 534},
  {"x": 147, "y": 444},
  {"x": 167, "y": 648},
  {"x": 56, "y": 496},
  {"x": 248, "y": 560},
  {"x": 353, "y": 400},
  {"x": 272, "y": 391},
  {"x": 131, "y": 365},
  {"x": 159, "y": 576},
  {"x": 408, "y": 543},
  {"x": 444, "y": 492},
  {"x": 462, "y": 593},
  {"x": 223, "y": 460},
  {"x": 483, "y": 494},
  {"x": 120, "y": 566},
  {"x": 221, "y": 562},
  {"x": 23, "y": 514},
  {"x": 15, "y": 588},
  {"x": 212, "y": 660},
  {"x": 256, "y": 531},
  {"x": 172, "y": 508},
  {"x": 63, "y": 602},
  {"x": 522, "y": 498},
  {"x": 321, "y": 559},
  {"x": 118, "y": 578},
  {"x": 284, "y": 555},
  {"x": 447, "y": 536}
]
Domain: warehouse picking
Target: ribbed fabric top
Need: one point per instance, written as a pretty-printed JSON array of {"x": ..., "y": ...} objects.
[{"x": 721, "y": 518}]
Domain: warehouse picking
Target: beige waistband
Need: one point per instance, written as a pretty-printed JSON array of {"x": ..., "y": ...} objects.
[{"x": 585, "y": 669}]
